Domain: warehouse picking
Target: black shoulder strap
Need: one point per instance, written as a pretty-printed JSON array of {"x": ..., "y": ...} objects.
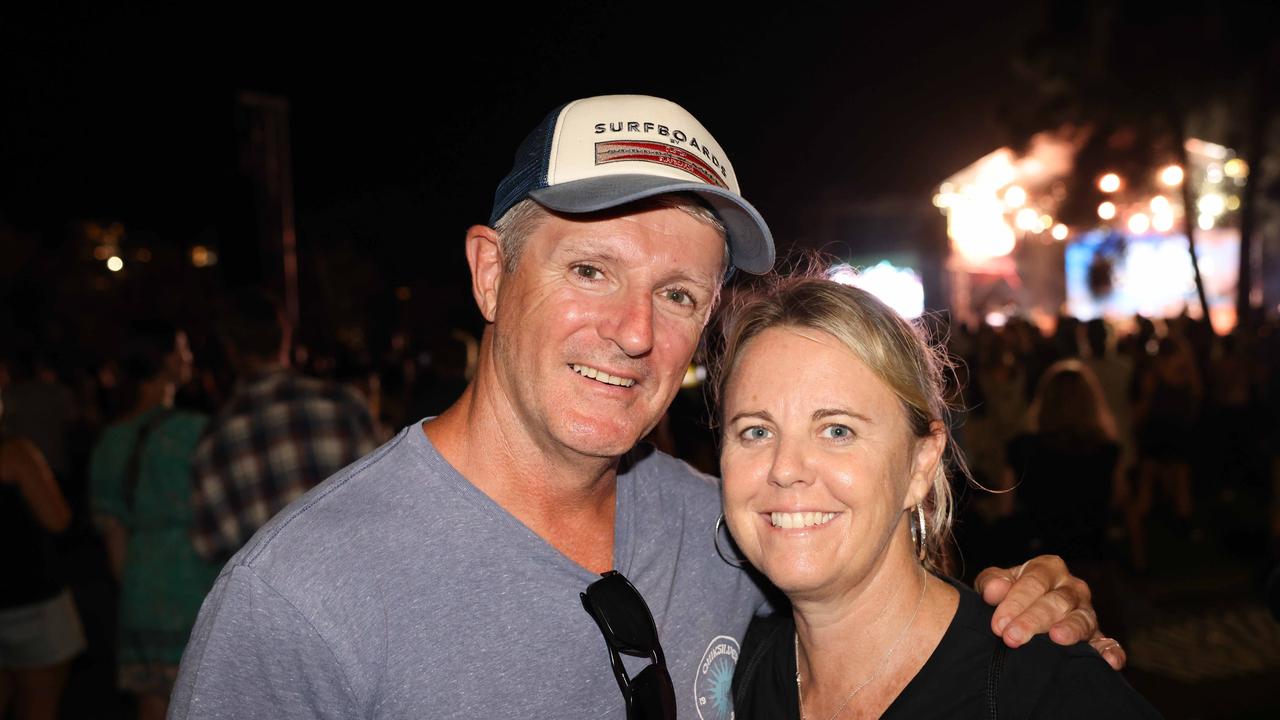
[
  {"x": 993, "y": 681},
  {"x": 755, "y": 647},
  {"x": 133, "y": 469}
]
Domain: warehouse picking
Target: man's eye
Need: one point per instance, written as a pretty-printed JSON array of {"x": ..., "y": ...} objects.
[
  {"x": 680, "y": 297},
  {"x": 588, "y": 272}
]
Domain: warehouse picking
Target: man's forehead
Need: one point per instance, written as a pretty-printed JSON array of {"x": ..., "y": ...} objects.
[{"x": 617, "y": 239}]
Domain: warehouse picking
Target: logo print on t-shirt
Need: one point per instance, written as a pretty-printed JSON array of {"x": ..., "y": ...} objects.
[{"x": 711, "y": 685}]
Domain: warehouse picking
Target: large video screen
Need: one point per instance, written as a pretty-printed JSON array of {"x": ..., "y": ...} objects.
[{"x": 1117, "y": 275}]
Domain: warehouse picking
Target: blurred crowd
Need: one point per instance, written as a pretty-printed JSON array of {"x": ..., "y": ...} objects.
[
  {"x": 1101, "y": 440},
  {"x": 130, "y": 478}
]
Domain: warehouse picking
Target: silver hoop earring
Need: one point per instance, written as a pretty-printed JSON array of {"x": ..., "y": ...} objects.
[
  {"x": 716, "y": 541},
  {"x": 919, "y": 534}
]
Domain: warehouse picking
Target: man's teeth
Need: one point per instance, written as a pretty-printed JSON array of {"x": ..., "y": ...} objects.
[
  {"x": 603, "y": 376},
  {"x": 800, "y": 519}
]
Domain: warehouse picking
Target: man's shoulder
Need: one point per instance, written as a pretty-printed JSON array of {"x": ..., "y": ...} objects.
[
  {"x": 288, "y": 387},
  {"x": 339, "y": 520},
  {"x": 306, "y": 385},
  {"x": 277, "y": 402}
]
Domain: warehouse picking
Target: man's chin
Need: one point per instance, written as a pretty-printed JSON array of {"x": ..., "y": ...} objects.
[{"x": 601, "y": 440}]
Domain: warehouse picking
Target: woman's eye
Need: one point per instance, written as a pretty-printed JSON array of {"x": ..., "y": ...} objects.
[
  {"x": 754, "y": 432},
  {"x": 837, "y": 432}
]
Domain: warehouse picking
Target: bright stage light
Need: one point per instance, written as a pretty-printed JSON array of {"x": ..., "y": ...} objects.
[
  {"x": 1171, "y": 176},
  {"x": 1027, "y": 220},
  {"x": 1109, "y": 183},
  {"x": 1015, "y": 196},
  {"x": 1107, "y": 210},
  {"x": 1211, "y": 204}
]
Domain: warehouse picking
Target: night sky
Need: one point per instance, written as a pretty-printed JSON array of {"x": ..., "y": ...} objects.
[{"x": 403, "y": 124}]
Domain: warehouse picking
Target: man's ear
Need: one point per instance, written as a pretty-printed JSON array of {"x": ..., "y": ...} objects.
[{"x": 484, "y": 255}]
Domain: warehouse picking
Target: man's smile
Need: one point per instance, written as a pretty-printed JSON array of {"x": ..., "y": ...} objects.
[{"x": 601, "y": 376}]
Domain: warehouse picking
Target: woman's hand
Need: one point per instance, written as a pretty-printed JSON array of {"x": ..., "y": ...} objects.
[{"x": 1043, "y": 596}]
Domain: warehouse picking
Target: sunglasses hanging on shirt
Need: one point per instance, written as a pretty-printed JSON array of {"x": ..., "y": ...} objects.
[{"x": 627, "y": 625}]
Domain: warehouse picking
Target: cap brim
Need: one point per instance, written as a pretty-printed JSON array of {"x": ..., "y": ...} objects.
[{"x": 750, "y": 242}]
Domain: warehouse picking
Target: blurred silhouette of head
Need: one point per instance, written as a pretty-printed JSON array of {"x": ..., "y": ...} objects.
[
  {"x": 1069, "y": 402},
  {"x": 1097, "y": 335},
  {"x": 155, "y": 353},
  {"x": 253, "y": 330}
]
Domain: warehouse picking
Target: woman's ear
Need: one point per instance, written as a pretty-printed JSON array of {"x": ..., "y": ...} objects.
[{"x": 926, "y": 459}]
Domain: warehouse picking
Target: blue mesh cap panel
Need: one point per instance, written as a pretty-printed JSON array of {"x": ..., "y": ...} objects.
[{"x": 529, "y": 170}]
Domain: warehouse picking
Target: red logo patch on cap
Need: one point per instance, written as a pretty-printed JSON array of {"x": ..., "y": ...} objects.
[{"x": 660, "y": 153}]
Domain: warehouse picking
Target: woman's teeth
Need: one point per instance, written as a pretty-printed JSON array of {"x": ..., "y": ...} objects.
[{"x": 800, "y": 519}]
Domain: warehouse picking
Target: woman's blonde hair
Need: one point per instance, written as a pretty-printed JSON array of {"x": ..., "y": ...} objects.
[{"x": 896, "y": 351}]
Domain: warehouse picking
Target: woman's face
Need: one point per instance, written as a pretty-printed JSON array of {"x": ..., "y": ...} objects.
[{"x": 819, "y": 463}]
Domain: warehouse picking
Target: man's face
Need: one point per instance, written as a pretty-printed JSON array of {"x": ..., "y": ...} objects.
[{"x": 595, "y": 328}]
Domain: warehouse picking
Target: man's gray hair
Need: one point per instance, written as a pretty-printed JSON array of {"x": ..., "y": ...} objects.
[{"x": 522, "y": 220}]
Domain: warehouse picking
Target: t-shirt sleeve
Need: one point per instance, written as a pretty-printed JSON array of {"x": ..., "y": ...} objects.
[
  {"x": 252, "y": 654},
  {"x": 1050, "y": 683}
]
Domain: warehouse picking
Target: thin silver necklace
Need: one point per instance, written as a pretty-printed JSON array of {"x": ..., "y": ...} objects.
[{"x": 884, "y": 662}]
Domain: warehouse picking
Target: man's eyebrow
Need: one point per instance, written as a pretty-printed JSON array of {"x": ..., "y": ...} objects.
[
  {"x": 707, "y": 282},
  {"x": 761, "y": 414},
  {"x": 821, "y": 413},
  {"x": 588, "y": 250}
]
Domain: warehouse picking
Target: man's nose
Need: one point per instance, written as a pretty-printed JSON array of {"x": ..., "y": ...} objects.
[{"x": 629, "y": 323}]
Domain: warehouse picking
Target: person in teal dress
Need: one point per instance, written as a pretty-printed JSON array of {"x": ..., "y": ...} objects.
[{"x": 140, "y": 475}]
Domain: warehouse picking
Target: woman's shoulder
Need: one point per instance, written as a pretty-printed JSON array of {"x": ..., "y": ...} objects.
[
  {"x": 1043, "y": 679},
  {"x": 183, "y": 423},
  {"x": 1039, "y": 679}
]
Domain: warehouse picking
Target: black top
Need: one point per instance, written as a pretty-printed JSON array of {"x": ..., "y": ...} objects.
[
  {"x": 1038, "y": 680},
  {"x": 31, "y": 572},
  {"x": 1064, "y": 491}
]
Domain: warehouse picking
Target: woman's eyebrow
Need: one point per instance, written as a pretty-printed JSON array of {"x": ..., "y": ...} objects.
[
  {"x": 821, "y": 413},
  {"x": 762, "y": 414}
]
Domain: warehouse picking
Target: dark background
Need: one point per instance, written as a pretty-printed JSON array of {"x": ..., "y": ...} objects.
[{"x": 402, "y": 125}]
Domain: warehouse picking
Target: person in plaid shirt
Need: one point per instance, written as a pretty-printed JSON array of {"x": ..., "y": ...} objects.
[{"x": 278, "y": 436}]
